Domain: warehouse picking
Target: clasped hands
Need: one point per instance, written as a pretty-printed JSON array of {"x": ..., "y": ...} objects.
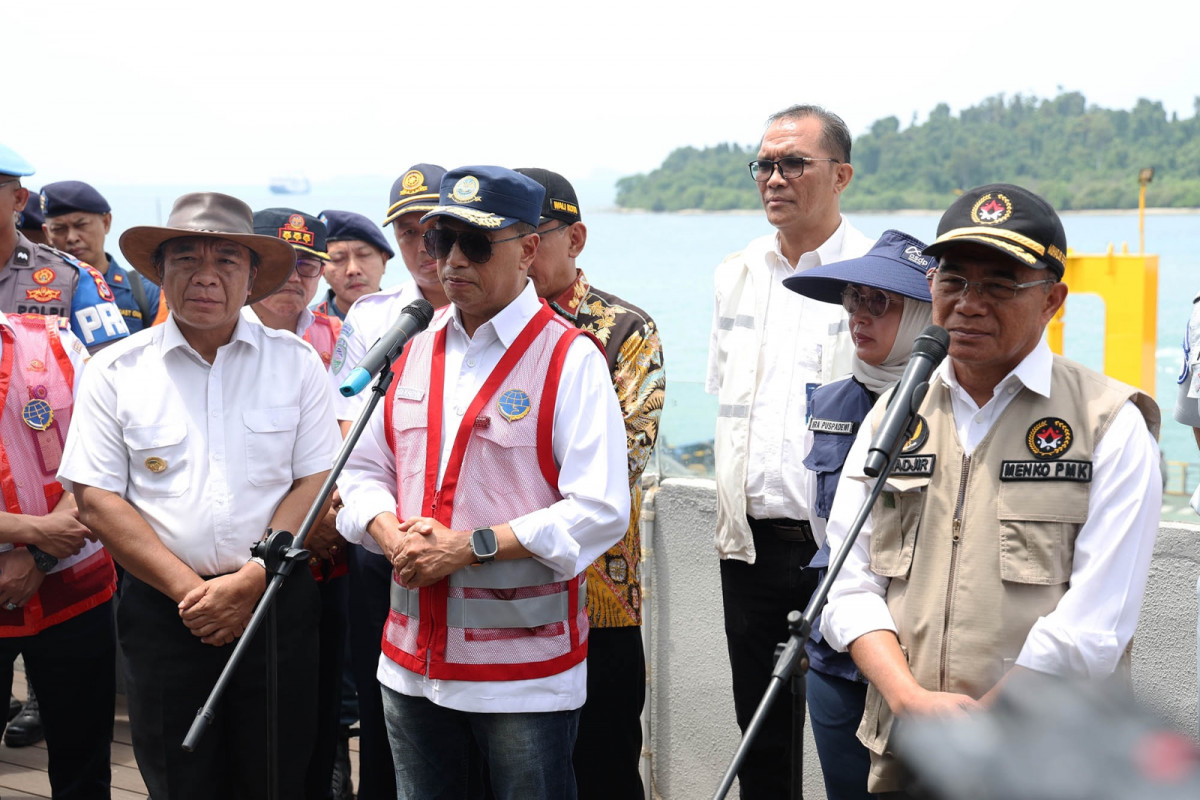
[{"x": 421, "y": 549}]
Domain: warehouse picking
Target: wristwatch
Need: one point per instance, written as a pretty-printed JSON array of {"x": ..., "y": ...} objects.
[
  {"x": 41, "y": 559},
  {"x": 484, "y": 545}
]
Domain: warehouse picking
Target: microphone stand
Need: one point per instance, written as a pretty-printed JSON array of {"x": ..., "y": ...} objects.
[
  {"x": 791, "y": 663},
  {"x": 281, "y": 553}
]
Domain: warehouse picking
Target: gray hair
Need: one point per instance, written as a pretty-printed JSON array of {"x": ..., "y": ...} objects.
[{"x": 835, "y": 136}]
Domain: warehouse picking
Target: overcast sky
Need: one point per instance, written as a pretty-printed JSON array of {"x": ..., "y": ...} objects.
[{"x": 235, "y": 91}]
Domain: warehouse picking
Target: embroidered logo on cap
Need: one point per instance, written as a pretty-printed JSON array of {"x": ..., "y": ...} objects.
[
  {"x": 991, "y": 209},
  {"x": 466, "y": 190},
  {"x": 296, "y": 231},
  {"x": 43, "y": 276},
  {"x": 913, "y": 254},
  {"x": 1049, "y": 438},
  {"x": 413, "y": 182},
  {"x": 514, "y": 404}
]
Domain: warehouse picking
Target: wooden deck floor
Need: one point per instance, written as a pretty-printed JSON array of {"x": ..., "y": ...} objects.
[{"x": 23, "y": 770}]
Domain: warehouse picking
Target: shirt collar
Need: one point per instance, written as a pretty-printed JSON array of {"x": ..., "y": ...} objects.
[
  {"x": 829, "y": 252},
  {"x": 173, "y": 339},
  {"x": 567, "y": 304},
  {"x": 506, "y": 325},
  {"x": 1033, "y": 372}
]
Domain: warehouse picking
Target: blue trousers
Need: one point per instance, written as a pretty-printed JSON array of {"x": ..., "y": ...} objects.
[
  {"x": 525, "y": 755},
  {"x": 835, "y": 707}
]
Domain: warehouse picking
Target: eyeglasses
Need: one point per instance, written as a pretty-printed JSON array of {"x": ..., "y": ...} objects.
[
  {"x": 876, "y": 302},
  {"x": 557, "y": 227},
  {"x": 309, "y": 267},
  {"x": 953, "y": 287},
  {"x": 789, "y": 167},
  {"x": 6, "y": 183},
  {"x": 477, "y": 247}
]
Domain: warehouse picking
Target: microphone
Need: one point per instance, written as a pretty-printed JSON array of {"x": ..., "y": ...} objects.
[
  {"x": 413, "y": 319},
  {"x": 928, "y": 351}
]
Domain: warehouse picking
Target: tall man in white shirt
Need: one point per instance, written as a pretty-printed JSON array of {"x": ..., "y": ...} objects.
[
  {"x": 190, "y": 439},
  {"x": 494, "y": 477},
  {"x": 1017, "y": 531},
  {"x": 770, "y": 348}
]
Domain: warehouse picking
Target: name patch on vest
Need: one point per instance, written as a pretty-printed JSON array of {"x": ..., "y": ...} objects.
[
  {"x": 914, "y": 465},
  {"x": 409, "y": 393},
  {"x": 837, "y": 426},
  {"x": 1075, "y": 471}
]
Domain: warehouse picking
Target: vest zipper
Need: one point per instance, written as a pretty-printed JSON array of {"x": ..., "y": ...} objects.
[{"x": 955, "y": 538}]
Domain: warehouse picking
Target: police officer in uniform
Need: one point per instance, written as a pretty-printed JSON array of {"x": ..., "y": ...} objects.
[
  {"x": 77, "y": 219},
  {"x": 36, "y": 279}
]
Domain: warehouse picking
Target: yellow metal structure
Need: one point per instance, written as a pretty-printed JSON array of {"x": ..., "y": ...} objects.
[{"x": 1128, "y": 285}]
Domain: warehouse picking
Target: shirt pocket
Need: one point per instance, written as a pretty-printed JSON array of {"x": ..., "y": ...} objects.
[
  {"x": 1038, "y": 525},
  {"x": 270, "y": 442},
  {"x": 895, "y": 518},
  {"x": 159, "y": 462}
]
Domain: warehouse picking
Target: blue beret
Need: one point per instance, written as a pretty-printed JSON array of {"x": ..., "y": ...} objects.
[
  {"x": 13, "y": 164},
  {"x": 346, "y": 226},
  {"x": 63, "y": 197},
  {"x": 305, "y": 233},
  {"x": 415, "y": 190},
  {"x": 489, "y": 197}
]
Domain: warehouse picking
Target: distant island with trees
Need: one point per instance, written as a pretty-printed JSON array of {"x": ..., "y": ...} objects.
[{"x": 1077, "y": 156}]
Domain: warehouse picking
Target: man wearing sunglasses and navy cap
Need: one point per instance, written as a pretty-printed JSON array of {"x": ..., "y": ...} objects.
[
  {"x": 770, "y": 348},
  {"x": 494, "y": 477},
  {"x": 78, "y": 219},
  {"x": 37, "y": 279},
  {"x": 1016, "y": 533}
]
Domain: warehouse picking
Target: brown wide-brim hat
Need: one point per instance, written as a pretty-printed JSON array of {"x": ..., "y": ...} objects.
[{"x": 216, "y": 216}]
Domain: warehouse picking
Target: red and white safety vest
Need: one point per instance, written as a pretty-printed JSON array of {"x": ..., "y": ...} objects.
[
  {"x": 36, "y": 377},
  {"x": 507, "y": 620},
  {"x": 323, "y": 334}
]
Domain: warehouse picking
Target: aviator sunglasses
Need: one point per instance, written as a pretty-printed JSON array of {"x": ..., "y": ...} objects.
[
  {"x": 875, "y": 301},
  {"x": 477, "y": 247}
]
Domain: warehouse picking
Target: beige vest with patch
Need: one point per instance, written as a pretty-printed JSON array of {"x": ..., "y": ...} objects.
[{"x": 978, "y": 548}]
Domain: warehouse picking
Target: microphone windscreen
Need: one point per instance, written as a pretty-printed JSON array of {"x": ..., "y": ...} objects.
[{"x": 933, "y": 342}]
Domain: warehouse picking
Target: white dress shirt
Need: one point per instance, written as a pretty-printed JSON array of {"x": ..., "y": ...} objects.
[
  {"x": 371, "y": 316},
  {"x": 589, "y": 447},
  {"x": 1088, "y": 631},
  {"x": 204, "y": 452}
]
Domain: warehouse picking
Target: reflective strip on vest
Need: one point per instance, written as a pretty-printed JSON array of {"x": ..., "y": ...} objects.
[{"x": 733, "y": 411}]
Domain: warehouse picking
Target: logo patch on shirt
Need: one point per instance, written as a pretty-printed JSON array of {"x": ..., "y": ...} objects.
[
  {"x": 155, "y": 464},
  {"x": 38, "y": 414},
  {"x": 43, "y": 276},
  {"x": 101, "y": 284},
  {"x": 1048, "y": 438},
  {"x": 840, "y": 427},
  {"x": 43, "y": 295},
  {"x": 37, "y": 365},
  {"x": 514, "y": 404},
  {"x": 918, "y": 437},
  {"x": 1074, "y": 471},
  {"x": 21, "y": 256}
]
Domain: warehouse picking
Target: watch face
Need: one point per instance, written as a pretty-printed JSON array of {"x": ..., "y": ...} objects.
[{"x": 484, "y": 544}]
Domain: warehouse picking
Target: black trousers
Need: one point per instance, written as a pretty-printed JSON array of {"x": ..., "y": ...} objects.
[
  {"x": 370, "y": 600},
  {"x": 71, "y": 667},
  {"x": 757, "y": 598},
  {"x": 169, "y": 674},
  {"x": 608, "y": 749},
  {"x": 334, "y": 595}
]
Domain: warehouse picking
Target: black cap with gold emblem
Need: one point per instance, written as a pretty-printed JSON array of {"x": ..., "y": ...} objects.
[
  {"x": 1007, "y": 218},
  {"x": 302, "y": 231}
]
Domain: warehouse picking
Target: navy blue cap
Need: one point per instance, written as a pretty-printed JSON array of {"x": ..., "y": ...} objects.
[
  {"x": 346, "y": 226},
  {"x": 415, "y": 190},
  {"x": 13, "y": 164},
  {"x": 895, "y": 263},
  {"x": 1008, "y": 218},
  {"x": 31, "y": 218},
  {"x": 63, "y": 197},
  {"x": 305, "y": 233},
  {"x": 489, "y": 197}
]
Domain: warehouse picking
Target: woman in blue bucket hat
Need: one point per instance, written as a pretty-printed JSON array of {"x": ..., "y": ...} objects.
[{"x": 886, "y": 294}]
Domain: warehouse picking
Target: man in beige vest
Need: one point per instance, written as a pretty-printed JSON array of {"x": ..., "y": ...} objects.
[{"x": 1016, "y": 531}]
